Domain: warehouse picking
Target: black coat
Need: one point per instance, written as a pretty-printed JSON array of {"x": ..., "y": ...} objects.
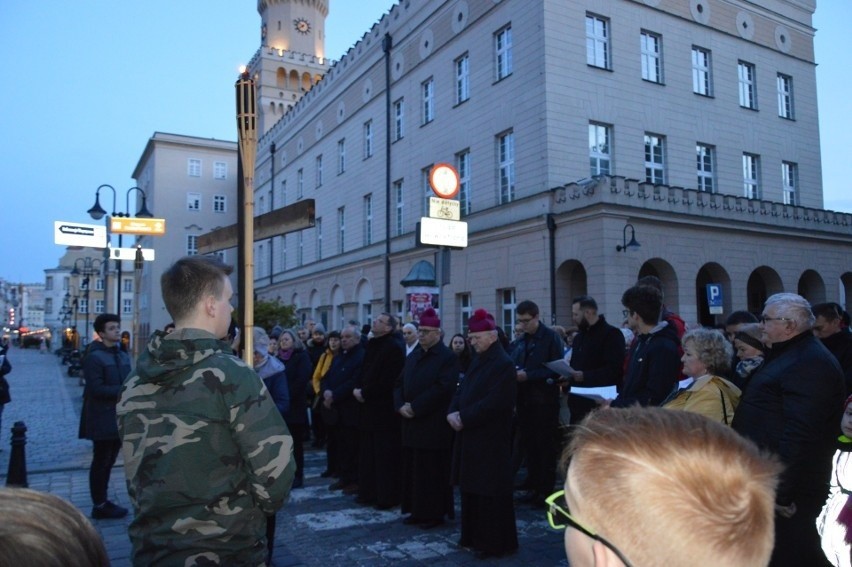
[
  {"x": 104, "y": 370},
  {"x": 530, "y": 353},
  {"x": 840, "y": 345},
  {"x": 792, "y": 407},
  {"x": 654, "y": 369},
  {"x": 383, "y": 362},
  {"x": 428, "y": 383},
  {"x": 299, "y": 372},
  {"x": 598, "y": 351},
  {"x": 341, "y": 379},
  {"x": 485, "y": 401}
]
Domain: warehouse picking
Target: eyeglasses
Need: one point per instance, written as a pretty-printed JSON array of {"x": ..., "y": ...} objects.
[
  {"x": 524, "y": 320},
  {"x": 625, "y": 313},
  {"x": 560, "y": 518},
  {"x": 765, "y": 319}
]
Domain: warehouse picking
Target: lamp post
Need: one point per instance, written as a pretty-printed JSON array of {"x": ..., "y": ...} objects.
[
  {"x": 97, "y": 212},
  {"x": 89, "y": 268}
]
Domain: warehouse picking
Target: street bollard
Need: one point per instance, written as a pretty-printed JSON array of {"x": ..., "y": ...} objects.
[{"x": 17, "y": 475}]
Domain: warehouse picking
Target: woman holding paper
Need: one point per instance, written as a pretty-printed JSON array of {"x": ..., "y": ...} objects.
[{"x": 706, "y": 356}]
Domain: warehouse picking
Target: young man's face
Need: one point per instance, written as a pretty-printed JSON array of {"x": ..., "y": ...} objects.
[
  {"x": 223, "y": 309},
  {"x": 111, "y": 333}
]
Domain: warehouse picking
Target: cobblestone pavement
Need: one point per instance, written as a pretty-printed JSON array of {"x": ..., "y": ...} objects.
[{"x": 316, "y": 527}]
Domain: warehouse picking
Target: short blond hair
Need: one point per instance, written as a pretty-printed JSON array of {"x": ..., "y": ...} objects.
[{"x": 673, "y": 488}]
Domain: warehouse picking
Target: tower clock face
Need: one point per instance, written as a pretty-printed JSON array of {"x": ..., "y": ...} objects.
[{"x": 302, "y": 25}]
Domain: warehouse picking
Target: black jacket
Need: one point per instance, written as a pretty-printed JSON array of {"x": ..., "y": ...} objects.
[
  {"x": 299, "y": 372},
  {"x": 341, "y": 379},
  {"x": 598, "y": 352},
  {"x": 530, "y": 354},
  {"x": 104, "y": 370},
  {"x": 840, "y": 345},
  {"x": 383, "y": 362},
  {"x": 428, "y": 383},
  {"x": 654, "y": 368},
  {"x": 792, "y": 407},
  {"x": 485, "y": 400}
]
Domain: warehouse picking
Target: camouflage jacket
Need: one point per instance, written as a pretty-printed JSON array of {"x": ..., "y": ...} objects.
[{"x": 206, "y": 454}]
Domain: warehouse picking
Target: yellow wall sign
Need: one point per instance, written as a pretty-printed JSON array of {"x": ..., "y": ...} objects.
[{"x": 143, "y": 226}]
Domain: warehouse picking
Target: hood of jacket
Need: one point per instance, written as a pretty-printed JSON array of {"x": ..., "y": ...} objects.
[{"x": 165, "y": 357}]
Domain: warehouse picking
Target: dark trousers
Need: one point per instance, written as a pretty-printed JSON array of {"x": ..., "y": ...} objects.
[
  {"x": 318, "y": 427},
  {"x": 379, "y": 477},
  {"x": 797, "y": 542},
  {"x": 342, "y": 452},
  {"x": 298, "y": 431},
  {"x": 488, "y": 522},
  {"x": 104, "y": 454},
  {"x": 426, "y": 492},
  {"x": 539, "y": 424}
]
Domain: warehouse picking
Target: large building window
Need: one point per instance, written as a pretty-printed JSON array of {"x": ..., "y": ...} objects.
[
  {"x": 463, "y": 166},
  {"x": 428, "y": 91},
  {"x": 341, "y": 230},
  {"x": 503, "y": 52},
  {"x": 748, "y": 86},
  {"x": 368, "y": 139},
  {"x": 127, "y": 285},
  {"x": 600, "y": 149},
  {"x": 398, "y": 119},
  {"x": 790, "y": 182},
  {"x": 651, "y": 50},
  {"x": 126, "y": 306},
  {"x": 506, "y": 166},
  {"x": 319, "y": 237},
  {"x": 220, "y": 170},
  {"x": 368, "y": 219},
  {"x": 283, "y": 193},
  {"x": 465, "y": 310},
  {"x": 597, "y": 42},
  {"x": 705, "y": 166},
  {"x": 319, "y": 171},
  {"x": 751, "y": 176},
  {"x": 701, "y": 68},
  {"x": 220, "y": 203},
  {"x": 398, "y": 197},
  {"x": 300, "y": 248},
  {"x": 300, "y": 183},
  {"x": 507, "y": 310},
  {"x": 191, "y": 245},
  {"x": 99, "y": 306},
  {"x": 655, "y": 165},
  {"x": 462, "y": 78},
  {"x": 785, "y": 96},
  {"x": 82, "y": 305},
  {"x": 193, "y": 167},
  {"x": 341, "y": 156},
  {"x": 193, "y": 201}
]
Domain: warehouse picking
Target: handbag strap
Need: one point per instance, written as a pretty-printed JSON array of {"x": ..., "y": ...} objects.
[{"x": 724, "y": 408}]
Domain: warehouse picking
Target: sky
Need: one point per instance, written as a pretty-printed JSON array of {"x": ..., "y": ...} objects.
[{"x": 88, "y": 83}]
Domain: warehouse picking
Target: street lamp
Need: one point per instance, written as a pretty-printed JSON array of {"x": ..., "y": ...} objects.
[
  {"x": 97, "y": 212},
  {"x": 90, "y": 267}
]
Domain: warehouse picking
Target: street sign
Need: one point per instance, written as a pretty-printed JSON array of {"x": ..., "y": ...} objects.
[
  {"x": 130, "y": 254},
  {"x": 714, "y": 299},
  {"x": 444, "y": 209},
  {"x": 441, "y": 232},
  {"x": 77, "y": 234},
  {"x": 444, "y": 180},
  {"x": 142, "y": 226}
]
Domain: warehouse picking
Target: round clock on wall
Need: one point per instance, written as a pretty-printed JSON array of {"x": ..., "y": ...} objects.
[{"x": 302, "y": 25}]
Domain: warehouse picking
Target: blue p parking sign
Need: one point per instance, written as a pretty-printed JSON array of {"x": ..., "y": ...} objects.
[{"x": 714, "y": 298}]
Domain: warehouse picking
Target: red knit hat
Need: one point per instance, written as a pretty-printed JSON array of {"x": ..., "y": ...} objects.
[
  {"x": 481, "y": 320},
  {"x": 430, "y": 319}
]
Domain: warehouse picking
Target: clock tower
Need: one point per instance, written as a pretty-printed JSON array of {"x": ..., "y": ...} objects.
[{"x": 291, "y": 58}]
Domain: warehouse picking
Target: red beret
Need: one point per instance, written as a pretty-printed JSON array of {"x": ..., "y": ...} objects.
[
  {"x": 481, "y": 320},
  {"x": 430, "y": 319}
]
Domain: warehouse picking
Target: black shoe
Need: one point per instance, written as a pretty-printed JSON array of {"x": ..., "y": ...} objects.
[
  {"x": 429, "y": 524},
  {"x": 108, "y": 511},
  {"x": 337, "y": 485}
]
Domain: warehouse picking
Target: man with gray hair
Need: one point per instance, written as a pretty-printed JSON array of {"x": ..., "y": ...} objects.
[{"x": 792, "y": 406}]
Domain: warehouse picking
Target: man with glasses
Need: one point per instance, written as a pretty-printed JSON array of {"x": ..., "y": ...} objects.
[
  {"x": 791, "y": 407},
  {"x": 650, "y": 486},
  {"x": 830, "y": 329},
  {"x": 538, "y": 401},
  {"x": 378, "y": 423}
]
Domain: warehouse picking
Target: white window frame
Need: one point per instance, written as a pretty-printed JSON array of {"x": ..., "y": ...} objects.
[
  {"x": 508, "y": 304},
  {"x": 193, "y": 201},
  {"x": 318, "y": 233},
  {"x": 300, "y": 248},
  {"x": 368, "y": 219},
  {"x": 506, "y": 167},
  {"x": 463, "y": 167},
  {"x": 127, "y": 285},
  {"x": 462, "y": 67},
  {"x": 341, "y": 156},
  {"x": 747, "y": 79},
  {"x": 751, "y": 175},
  {"x": 220, "y": 203},
  {"x": 191, "y": 244},
  {"x": 598, "y": 42},
  {"x": 702, "y": 71},
  {"x": 705, "y": 167},
  {"x": 426, "y": 189},
  {"x": 283, "y": 189},
  {"x": 368, "y": 139},
  {"x": 600, "y": 149},
  {"x": 126, "y": 305},
  {"x": 318, "y": 165},
  {"x": 99, "y": 284},
  {"x": 465, "y": 303},
  {"x": 785, "y": 96},
  {"x": 399, "y": 195},
  {"x": 651, "y": 53},
  {"x": 341, "y": 230},
  {"x": 220, "y": 170},
  {"x": 790, "y": 182},
  {"x": 655, "y": 158},
  {"x": 99, "y": 306},
  {"x": 503, "y": 52},
  {"x": 193, "y": 167},
  {"x": 427, "y": 91},
  {"x": 300, "y": 183},
  {"x": 398, "y": 119},
  {"x": 82, "y": 305}
]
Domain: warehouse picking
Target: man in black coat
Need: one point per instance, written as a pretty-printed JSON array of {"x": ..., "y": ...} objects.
[
  {"x": 829, "y": 329},
  {"x": 104, "y": 368},
  {"x": 538, "y": 401},
  {"x": 792, "y": 407},
  {"x": 422, "y": 396},
  {"x": 481, "y": 415},
  {"x": 379, "y": 470},
  {"x": 597, "y": 354},
  {"x": 339, "y": 382}
]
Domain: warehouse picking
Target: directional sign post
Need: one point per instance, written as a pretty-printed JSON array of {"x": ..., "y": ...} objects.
[
  {"x": 136, "y": 225},
  {"x": 78, "y": 234}
]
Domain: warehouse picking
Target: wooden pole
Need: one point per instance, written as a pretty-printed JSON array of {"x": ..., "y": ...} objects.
[{"x": 247, "y": 131}]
